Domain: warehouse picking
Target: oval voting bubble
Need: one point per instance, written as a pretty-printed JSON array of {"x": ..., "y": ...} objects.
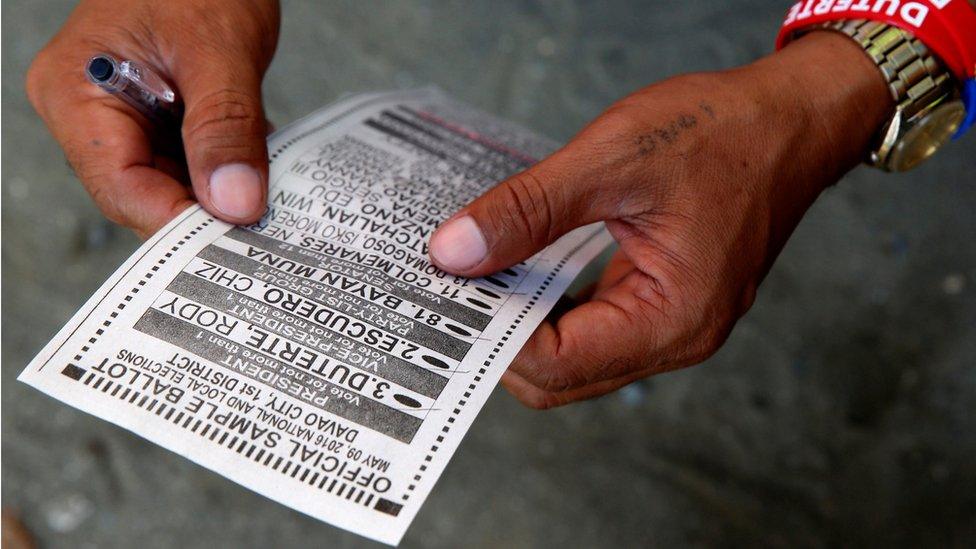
[
  {"x": 510, "y": 272},
  {"x": 496, "y": 282},
  {"x": 488, "y": 293},
  {"x": 457, "y": 329},
  {"x": 406, "y": 401},
  {"x": 434, "y": 361},
  {"x": 478, "y": 303}
]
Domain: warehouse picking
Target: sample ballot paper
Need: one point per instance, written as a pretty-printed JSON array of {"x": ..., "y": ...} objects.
[{"x": 317, "y": 357}]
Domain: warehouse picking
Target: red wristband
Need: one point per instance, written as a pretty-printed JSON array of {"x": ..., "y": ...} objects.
[{"x": 947, "y": 27}]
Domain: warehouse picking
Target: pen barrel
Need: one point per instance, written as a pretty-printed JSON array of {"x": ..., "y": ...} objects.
[{"x": 138, "y": 86}]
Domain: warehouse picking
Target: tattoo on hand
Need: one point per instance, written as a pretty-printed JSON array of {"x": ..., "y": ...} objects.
[{"x": 668, "y": 134}]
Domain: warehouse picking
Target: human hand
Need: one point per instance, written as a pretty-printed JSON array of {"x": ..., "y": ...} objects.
[
  {"x": 700, "y": 179},
  {"x": 215, "y": 54}
]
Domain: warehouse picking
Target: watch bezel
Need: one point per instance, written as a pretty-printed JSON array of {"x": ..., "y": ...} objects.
[{"x": 912, "y": 132}]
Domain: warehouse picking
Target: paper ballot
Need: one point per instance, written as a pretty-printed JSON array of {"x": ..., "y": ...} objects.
[{"x": 317, "y": 357}]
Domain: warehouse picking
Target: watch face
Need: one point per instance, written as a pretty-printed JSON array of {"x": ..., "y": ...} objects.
[{"x": 925, "y": 137}]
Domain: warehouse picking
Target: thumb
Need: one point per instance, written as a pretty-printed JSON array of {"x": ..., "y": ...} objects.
[
  {"x": 224, "y": 135},
  {"x": 520, "y": 216}
]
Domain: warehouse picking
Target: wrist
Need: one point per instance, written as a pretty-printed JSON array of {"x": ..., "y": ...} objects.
[
  {"x": 811, "y": 113},
  {"x": 837, "y": 95}
]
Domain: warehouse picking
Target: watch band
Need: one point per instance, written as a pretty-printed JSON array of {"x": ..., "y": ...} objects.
[{"x": 916, "y": 78}]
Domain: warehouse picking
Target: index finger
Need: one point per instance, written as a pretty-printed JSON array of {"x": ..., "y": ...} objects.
[
  {"x": 623, "y": 330},
  {"x": 108, "y": 145}
]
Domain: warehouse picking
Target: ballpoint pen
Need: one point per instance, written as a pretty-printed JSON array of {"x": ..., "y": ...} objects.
[{"x": 137, "y": 85}]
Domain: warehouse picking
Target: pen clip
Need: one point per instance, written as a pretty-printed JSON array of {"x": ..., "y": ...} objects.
[{"x": 147, "y": 81}]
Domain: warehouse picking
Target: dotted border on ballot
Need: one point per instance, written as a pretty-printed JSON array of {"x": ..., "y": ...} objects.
[
  {"x": 135, "y": 289},
  {"x": 462, "y": 402}
]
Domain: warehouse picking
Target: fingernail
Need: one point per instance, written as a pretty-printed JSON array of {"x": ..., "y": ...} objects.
[
  {"x": 236, "y": 190},
  {"x": 459, "y": 245}
]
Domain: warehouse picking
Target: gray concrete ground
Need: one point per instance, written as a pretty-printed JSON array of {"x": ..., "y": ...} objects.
[{"x": 839, "y": 413}]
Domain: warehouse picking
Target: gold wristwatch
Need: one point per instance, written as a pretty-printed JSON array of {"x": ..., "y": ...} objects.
[{"x": 928, "y": 109}]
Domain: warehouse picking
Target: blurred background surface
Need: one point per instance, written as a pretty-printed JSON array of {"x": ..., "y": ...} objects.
[{"x": 841, "y": 411}]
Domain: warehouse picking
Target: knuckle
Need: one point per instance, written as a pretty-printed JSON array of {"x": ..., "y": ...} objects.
[
  {"x": 709, "y": 336},
  {"x": 220, "y": 118},
  {"x": 693, "y": 324},
  {"x": 34, "y": 79},
  {"x": 623, "y": 117},
  {"x": 538, "y": 399},
  {"x": 558, "y": 379},
  {"x": 107, "y": 204},
  {"x": 621, "y": 132},
  {"x": 527, "y": 207}
]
